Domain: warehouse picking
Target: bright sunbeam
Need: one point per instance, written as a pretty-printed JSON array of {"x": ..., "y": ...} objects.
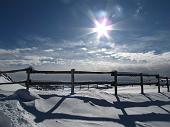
[
  {"x": 102, "y": 29},
  {"x": 102, "y": 26}
]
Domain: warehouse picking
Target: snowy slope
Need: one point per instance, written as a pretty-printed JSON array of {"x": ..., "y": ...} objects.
[
  {"x": 10, "y": 114},
  {"x": 11, "y": 87},
  {"x": 86, "y": 108}
]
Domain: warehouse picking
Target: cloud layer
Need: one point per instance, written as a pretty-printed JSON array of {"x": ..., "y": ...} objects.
[{"x": 87, "y": 54}]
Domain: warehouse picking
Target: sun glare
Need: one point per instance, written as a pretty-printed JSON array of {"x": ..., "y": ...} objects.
[{"x": 102, "y": 29}]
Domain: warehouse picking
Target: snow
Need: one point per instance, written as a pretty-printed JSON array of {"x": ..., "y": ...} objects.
[
  {"x": 9, "y": 87},
  {"x": 86, "y": 108},
  {"x": 4, "y": 120}
]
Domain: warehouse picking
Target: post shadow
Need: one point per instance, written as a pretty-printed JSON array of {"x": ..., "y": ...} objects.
[
  {"x": 124, "y": 118},
  {"x": 92, "y": 101},
  {"x": 165, "y": 95},
  {"x": 159, "y": 103},
  {"x": 129, "y": 120},
  {"x": 41, "y": 116},
  {"x": 2, "y": 96}
]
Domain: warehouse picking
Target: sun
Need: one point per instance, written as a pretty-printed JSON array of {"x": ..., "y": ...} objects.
[{"x": 102, "y": 29}]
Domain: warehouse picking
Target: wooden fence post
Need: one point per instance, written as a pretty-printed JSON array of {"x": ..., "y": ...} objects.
[
  {"x": 115, "y": 83},
  {"x": 72, "y": 81},
  {"x": 167, "y": 83},
  {"x": 28, "y": 78},
  {"x": 158, "y": 84},
  {"x": 141, "y": 83}
]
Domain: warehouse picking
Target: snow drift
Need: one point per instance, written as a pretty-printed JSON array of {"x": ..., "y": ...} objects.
[{"x": 86, "y": 108}]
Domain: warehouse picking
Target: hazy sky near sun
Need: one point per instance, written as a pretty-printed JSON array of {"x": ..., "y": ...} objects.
[{"x": 54, "y": 34}]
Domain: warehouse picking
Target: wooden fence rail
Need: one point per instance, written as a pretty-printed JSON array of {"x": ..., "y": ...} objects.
[
  {"x": 29, "y": 71},
  {"x": 17, "y": 82},
  {"x": 14, "y": 71}
]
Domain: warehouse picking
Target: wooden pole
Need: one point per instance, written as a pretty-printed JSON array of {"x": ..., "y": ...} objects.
[
  {"x": 115, "y": 82},
  {"x": 141, "y": 83},
  {"x": 72, "y": 81},
  {"x": 167, "y": 83},
  {"x": 158, "y": 84},
  {"x": 28, "y": 78}
]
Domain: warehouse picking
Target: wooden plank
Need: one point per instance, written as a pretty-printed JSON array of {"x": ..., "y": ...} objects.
[
  {"x": 128, "y": 84},
  {"x": 14, "y": 71},
  {"x": 17, "y": 82},
  {"x": 141, "y": 81},
  {"x": 158, "y": 83},
  {"x": 161, "y": 77},
  {"x": 50, "y": 72},
  {"x": 78, "y": 72},
  {"x": 167, "y": 83},
  {"x": 136, "y": 83},
  {"x": 28, "y": 78},
  {"x": 149, "y": 75},
  {"x": 134, "y": 74},
  {"x": 68, "y": 72},
  {"x": 49, "y": 83},
  {"x": 150, "y": 83},
  {"x": 33, "y": 82},
  {"x": 95, "y": 82},
  {"x": 115, "y": 82},
  {"x": 72, "y": 81},
  {"x": 90, "y": 72},
  {"x": 127, "y": 74}
]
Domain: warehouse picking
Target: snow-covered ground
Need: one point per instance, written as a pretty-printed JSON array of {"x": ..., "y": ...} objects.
[{"x": 86, "y": 108}]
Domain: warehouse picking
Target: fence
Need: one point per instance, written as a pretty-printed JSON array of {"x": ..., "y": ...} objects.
[{"x": 30, "y": 71}]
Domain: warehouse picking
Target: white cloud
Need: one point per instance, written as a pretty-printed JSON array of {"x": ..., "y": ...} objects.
[
  {"x": 34, "y": 59},
  {"x": 4, "y": 51},
  {"x": 84, "y": 48},
  {"x": 20, "y": 62},
  {"x": 49, "y": 50},
  {"x": 149, "y": 57},
  {"x": 102, "y": 50},
  {"x": 17, "y": 50},
  {"x": 59, "y": 49},
  {"x": 97, "y": 56}
]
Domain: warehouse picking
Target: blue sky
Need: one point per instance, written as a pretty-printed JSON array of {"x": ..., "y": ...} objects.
[{"x": 54, "y": 35}]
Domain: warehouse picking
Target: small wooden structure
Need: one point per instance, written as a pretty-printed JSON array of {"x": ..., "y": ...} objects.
[{"x": 30, "y": 71}]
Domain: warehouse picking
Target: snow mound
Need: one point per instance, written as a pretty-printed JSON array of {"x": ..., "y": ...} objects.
[
  {"x": 86, "y": 108},
  {"x": 9, "y": 87},
  {"x": 4, "y": 120},
  {"x": 21, "y": 95},
  {"x": 95, "y": 108},
  {"x": 25, "y": 95},
  {"x": 11, "y": 112}
]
